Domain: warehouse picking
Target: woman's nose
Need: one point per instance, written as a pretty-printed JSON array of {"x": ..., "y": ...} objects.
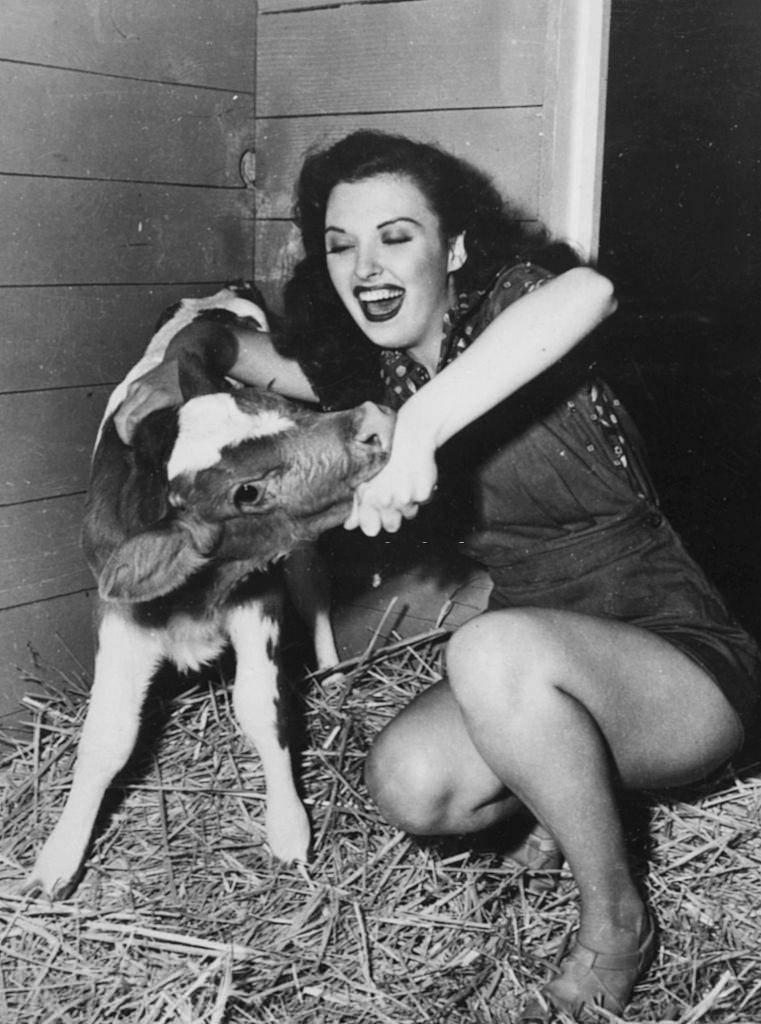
[{"x": 367, "y": 265}]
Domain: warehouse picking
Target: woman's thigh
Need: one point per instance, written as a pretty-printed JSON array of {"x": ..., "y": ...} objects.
[{"x": 664, "y": 719}]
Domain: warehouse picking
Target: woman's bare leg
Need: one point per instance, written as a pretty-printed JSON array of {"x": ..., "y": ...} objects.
[
  {"x": 565, "y": 709},
  {"x": 558, "y": 710},
  {"x": 426, "y": 776}
]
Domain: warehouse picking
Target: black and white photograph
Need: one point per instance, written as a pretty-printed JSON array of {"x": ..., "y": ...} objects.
[{"x": 380, "y": 489}]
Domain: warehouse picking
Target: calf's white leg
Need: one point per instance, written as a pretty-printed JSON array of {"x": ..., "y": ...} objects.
[
  {"x": 127, "y": 658},
  {"x": 254, "y": 630}
]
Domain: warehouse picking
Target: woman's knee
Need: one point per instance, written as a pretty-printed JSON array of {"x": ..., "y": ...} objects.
[
  {"x": 407, "y": 783},
  {"x": 509, "y": 649}
]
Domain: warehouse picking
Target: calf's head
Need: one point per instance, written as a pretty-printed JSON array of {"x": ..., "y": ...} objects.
[{"x": 250, "y": 475}]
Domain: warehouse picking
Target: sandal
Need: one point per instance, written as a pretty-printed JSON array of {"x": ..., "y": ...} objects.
[
  {"x": 542, "y": 858},
  {"x": 590, "y": 977}
]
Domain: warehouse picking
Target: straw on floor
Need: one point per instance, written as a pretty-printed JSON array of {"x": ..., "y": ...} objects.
[{"x": 182, "y": 915}]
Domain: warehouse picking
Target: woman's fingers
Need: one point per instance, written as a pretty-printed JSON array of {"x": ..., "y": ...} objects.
[
  {"x": 371, "y": 520},
  {"x": 391, "y": 519},
  {"x": 366, "y": 517},
  {"x": 395, "y": 494},
  {"x": 352, "y": 521}
]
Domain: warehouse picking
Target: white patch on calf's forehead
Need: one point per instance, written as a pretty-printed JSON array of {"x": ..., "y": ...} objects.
[{"x": 210, "y": 423}]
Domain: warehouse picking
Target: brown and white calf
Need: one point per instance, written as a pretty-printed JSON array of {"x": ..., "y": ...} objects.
[{"x": 181, "y": 531}]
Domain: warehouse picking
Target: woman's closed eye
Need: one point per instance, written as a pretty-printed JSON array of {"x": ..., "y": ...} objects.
[
  {"x": 335, "y": 248},
  {"x": 396, "y": 239}
]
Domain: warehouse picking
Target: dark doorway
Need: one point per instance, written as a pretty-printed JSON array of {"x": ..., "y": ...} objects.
[{"x": 681, "y": 237}]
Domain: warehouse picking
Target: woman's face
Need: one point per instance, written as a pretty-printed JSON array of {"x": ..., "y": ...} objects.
[{"x": 390, "y": 264}]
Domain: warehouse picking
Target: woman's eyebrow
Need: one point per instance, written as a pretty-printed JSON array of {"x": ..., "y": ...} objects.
[
  {"x": 395, "y": 220},
  {"x": 383, "y": 224}
]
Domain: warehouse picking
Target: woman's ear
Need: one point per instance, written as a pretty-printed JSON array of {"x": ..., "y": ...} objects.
[{"x": 457, "y": 253}]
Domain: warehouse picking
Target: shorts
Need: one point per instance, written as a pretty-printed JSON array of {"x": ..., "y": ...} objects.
[{"x": 637, "y": 570}]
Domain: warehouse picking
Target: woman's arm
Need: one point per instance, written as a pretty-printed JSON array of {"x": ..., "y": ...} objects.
[
  {"x": 522, "y": 341},
  {"x": 217, "y": 351}
]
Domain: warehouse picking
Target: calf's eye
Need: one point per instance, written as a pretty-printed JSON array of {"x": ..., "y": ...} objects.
[{"x": 248, "y": 495}]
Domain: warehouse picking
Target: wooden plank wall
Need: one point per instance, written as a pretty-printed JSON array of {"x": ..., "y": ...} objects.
[
  {"x": 471, "y": 76},
  {"x": 122, "y": 126}
]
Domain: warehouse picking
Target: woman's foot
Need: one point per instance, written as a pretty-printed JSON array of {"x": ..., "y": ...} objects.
[
  {"x": 596, "y": 977},
  {"x": 540, "y": 854}
]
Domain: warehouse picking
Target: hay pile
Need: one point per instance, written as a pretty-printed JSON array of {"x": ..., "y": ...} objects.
[{"x": 183, "y": 916}]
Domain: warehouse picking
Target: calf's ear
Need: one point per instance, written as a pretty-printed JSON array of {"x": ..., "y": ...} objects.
[{"x": 156, "y": 562}]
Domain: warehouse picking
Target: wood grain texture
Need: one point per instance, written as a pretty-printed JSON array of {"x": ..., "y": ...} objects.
[
  {"x": 75, "y": 125},
  {"x": 94, "y": 232},
  {"x": 188, "y": 41},
  {"x": 49, "y": 641},
  {"x": 419, "y": 55},
  {"x": 278, "y": 6},
  {"x": 53, "y": 434},
  {"x": 506, "y": 143},
  {"x": 41, "y": 551},
  {"x": 70, "y": 335},
  {"x": 278, "y": 248},
  {"x": 122, "y": 127}
]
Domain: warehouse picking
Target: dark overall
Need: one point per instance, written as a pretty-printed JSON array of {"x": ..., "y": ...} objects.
[{"x": 554, "y": 499}]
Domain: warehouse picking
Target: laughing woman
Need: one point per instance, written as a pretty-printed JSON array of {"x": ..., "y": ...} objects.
[{"x": 606, "y": 660}]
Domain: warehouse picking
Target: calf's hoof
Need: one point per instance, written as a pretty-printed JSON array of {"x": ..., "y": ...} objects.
[
  {"x": 289, "y": 835},
  {"x": 44, "y": 885},
  {"x": 57, "y": 871},
  {"x": 334, "y": 678}
]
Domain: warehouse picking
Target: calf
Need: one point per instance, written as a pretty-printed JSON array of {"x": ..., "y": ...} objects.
[{"x": 181, "y": 531}]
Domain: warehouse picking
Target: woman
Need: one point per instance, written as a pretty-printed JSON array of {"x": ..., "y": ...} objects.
[{"x": 605, "y": 660}]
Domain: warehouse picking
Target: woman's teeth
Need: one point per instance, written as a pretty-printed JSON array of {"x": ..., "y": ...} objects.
[{"x": 380, "y": 303}]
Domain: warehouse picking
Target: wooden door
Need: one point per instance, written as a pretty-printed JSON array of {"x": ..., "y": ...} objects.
[{"x": 123, "y": 126}]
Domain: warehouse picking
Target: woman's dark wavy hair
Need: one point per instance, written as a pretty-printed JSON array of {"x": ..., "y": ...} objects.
[{"x": 318, "y": 330}]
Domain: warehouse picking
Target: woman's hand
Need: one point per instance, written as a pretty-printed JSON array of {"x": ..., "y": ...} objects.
[
  {"x": 157, "y": 389},
  {"x": 406, "y": 482}
]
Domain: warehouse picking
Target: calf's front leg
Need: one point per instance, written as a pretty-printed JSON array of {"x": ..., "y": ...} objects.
[
  {"x": 308, "y": 582},
  {"x": 126, "y": 660},
  {"x": 254, "y": 630}
]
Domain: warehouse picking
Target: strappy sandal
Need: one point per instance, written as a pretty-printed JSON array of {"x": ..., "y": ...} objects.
[
  {"x": 542, "y": 858},
  {"x": 591, "y": 977}
]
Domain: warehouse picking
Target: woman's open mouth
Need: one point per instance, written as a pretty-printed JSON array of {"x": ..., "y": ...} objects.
[{"x": 379, "y": 303}]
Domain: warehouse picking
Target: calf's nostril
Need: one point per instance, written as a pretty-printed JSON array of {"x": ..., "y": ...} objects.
[{"x": 374, "y": 426}]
